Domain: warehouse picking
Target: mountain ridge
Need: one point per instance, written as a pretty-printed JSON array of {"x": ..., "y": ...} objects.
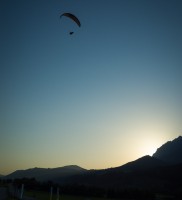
[
  {"x": 44, "y": 174},
  {"x": 143, "y": 171},
  {"x": 170, "y": 152}
]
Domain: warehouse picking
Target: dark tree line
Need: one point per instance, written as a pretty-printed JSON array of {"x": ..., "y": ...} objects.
[{"x": 79, "y": 190}]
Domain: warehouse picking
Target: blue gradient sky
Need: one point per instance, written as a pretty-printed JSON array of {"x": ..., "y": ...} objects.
[{"x": 106, "y": 95}]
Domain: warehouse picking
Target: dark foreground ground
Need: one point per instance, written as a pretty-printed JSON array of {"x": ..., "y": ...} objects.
[
  {"x": 3, "y": 193},
  {"x": 40, "y": 195}
]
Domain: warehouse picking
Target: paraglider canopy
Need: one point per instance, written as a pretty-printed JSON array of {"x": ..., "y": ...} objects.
[{"x": 73, "y": 17}]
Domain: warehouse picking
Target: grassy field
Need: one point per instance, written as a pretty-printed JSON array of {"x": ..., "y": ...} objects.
[{"x": 46, "y": 196}]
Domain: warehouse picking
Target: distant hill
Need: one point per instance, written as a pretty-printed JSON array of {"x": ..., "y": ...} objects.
[
  {"x": 43, "y": 174},
  {"x": 111, "y": 177},
  {"x": 143, "y": 163},
  {"x": 170, "y": 152},
  {"x": 128, "y": 175}
]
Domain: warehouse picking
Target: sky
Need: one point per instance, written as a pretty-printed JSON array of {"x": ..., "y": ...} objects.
[{"x": 101, "y": 97}]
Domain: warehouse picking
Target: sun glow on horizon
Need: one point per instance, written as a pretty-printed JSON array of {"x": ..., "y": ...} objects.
[{"x": 148, "y": 146}]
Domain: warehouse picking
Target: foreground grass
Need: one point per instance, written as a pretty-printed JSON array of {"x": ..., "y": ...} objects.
[{"x": 39, "y": 195}]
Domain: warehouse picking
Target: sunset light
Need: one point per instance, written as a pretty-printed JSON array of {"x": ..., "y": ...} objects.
[{"x": 93, "y": 83}]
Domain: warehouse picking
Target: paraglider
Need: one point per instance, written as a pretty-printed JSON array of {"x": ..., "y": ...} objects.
[{"x": 72, "y": 17}]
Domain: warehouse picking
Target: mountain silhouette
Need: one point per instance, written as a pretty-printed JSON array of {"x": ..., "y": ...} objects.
[
  {"x": 161, "y": 172},
  {"x": 143, "y": 163},
  {"x": 43, "y": 174},
  {"x": 132, "y": 174},
  {"x": 170, "y": 152}
]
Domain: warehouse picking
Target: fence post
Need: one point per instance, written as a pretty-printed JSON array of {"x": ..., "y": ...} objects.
[
  {"x": 57, "y": 193},
  {"x": 51, "y": 193},
  {"x": 22, "y": 189}
]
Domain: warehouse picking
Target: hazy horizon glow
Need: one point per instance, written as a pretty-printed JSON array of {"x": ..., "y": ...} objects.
[{"x": 104, "y": 96}]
